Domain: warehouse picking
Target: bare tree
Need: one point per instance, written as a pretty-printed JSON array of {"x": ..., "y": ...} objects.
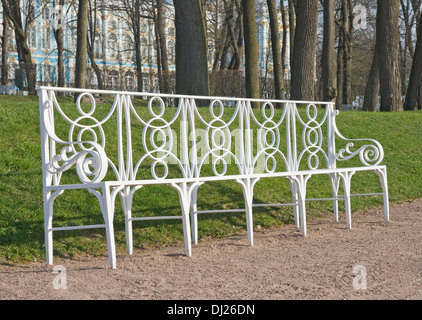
[
  {"x": 82, "y": 44},
  {"x": 16, "y": 14},
  {"x": 191, "y": 49},
  {"x": 347, "y": 30},
  {"x": 135, "y": 14},
  {"x": 251, "y": 50},
  {"x": 161, "y": 44},
  {"x": 303, "y": 60},
  {"x": 372, "y": 86},
  {"x": 58, "y": 36},
  {"x": 276, "y": 50},
  {"x": 92, "y": 34},
  {"x": 329, "y": 65},
  {"x": 5, "y": 51},
  {"x": 388, "y": 54},
  {"x": 413, "y": 95}
]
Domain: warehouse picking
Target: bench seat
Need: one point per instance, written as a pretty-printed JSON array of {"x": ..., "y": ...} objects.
[{"x": 193, "y": 145}]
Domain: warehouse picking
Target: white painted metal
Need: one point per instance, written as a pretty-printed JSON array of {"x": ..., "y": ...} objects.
[{"x": 236, "y": 143}]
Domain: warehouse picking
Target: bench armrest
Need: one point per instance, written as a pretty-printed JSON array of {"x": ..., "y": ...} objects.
[
  {"x": 370, "y": 153},
  {"x": 90, "y": 159},
  {"x": 91, "y": 164}
]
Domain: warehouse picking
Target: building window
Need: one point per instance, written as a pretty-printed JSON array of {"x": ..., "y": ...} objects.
[
  {"x": 127, "y": 45},
  {"x": 46, "y": 73},
  {"x": 171, "y": 32},
  {"x": 113, "y": 25},
  {"x": 73, "y": 38},
  {"x": 46, "y": 15},
  {"x": 98, "y": 50},
  {"x": 113, "y": 79},
  {"x": 144, "y": 48},
  {"x": 12, "y": 43},
  {"x": 46, "y": 38},
  {"x": 130, "y": 80},
  {"x": 112, "y": 44},
  {"x": 32, "y": 39},
  {"x": 171, "y": 51},
  {"x": 144, "y": 28}
]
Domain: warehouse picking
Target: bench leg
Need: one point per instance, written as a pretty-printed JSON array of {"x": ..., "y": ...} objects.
[
  {"x": 107, "y": 207},
  {"x": 194, "y": 215},
  {"x": 48, "y": 224},
  {"x": 300, "y": 183},
  {"x": 335, "y": 183},
  {"x": 247, "y": 187},
  {"x": 296, "y": 204},
  {"x": 126, "y": 197},
  {"x": 185, "y": 194},
  {"x": 127, "y": 211},
  {"x": 382, "y": 173},
  {"x": 347, "y": 177}
]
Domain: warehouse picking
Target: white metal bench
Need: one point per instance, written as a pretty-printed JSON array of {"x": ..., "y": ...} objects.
[{"x": 187, "y": 146}]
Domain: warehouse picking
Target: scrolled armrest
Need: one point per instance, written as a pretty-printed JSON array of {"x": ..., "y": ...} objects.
[
  {"x": 91, "y": 163},
  {"x": 369, "y": 154}
]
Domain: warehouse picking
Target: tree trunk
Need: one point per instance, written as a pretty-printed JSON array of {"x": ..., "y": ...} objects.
[
  {"x": 220, "y": 44},
  {"x": 388, "y": 55},
  {"x": 303, "y": 62},
  {"x": 413, "y": 98},
  {"x": 14, "y": 13},
  {"x": 372, "y": 86},
  {"x": 347, "y": 51},
  {"x": 5, "y": 51},
  {"x": 91, "y": 35},
  {"x": 340, "y": 73},
  {"x": 163, "y": 48},
  {"x": 136, "y": 23},
  {"x": 292, "y": 28},
  {"x": 58, "y": 35},
  {"x": 329, "y": 65},
  {"x": 284, "y": 38},
  {"x": 81, "y": 45},
  {"x": 191, "y": 49},
  {"x": 276, "y": 48},
  {"x": 251, "y": 50}
]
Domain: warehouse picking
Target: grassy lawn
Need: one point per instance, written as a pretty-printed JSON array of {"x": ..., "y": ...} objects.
[{"x": 21, "y": 206}]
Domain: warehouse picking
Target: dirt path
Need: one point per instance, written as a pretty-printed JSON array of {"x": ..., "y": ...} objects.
[{"x": 332, "y": 262}]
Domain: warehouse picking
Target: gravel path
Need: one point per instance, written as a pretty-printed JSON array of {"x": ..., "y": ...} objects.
[{"x": 374, "y": 260}]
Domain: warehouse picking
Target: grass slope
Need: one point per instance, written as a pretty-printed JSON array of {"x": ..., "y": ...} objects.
[{"x": 21, "y": 206}]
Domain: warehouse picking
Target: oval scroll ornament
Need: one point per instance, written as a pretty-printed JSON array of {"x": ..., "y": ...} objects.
[
  {"x": 369, "y": 155},
  {"x": 91, "y": 164}
]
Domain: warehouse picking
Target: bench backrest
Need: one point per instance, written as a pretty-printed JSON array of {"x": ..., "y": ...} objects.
[{"x": 128, "y": 136}]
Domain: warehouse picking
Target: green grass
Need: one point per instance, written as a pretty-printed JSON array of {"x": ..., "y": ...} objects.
[{"x": 21, "y": 205}]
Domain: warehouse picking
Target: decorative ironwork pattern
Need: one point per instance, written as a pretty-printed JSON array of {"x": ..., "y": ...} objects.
[
  {"x": 265, "y": 140},
  {"x": 159, "y": 144}
]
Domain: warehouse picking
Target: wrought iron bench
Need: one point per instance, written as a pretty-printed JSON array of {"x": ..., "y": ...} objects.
[{"x": 199, "y": 140}]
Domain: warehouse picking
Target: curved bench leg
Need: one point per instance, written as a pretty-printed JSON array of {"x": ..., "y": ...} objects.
[
  {"x": 247, "y": 187},
  {"x": 382, "y": 173},
  {"x": 335, "y": 183},
  {"x": 48, "y": 223},
  {"x": 300, "y": 183},
  {"x": 108, "y": 215},
  {"x": 295, "y": 202},
  {"x": 185, "y": 194},
  {"x": 193, "y": 213},
  {"x": 347, "y": 177},
  {"x": 126, "y": 198}
]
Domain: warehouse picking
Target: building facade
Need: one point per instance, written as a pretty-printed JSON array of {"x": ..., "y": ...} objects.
[{"x": 110, "y": 31}]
